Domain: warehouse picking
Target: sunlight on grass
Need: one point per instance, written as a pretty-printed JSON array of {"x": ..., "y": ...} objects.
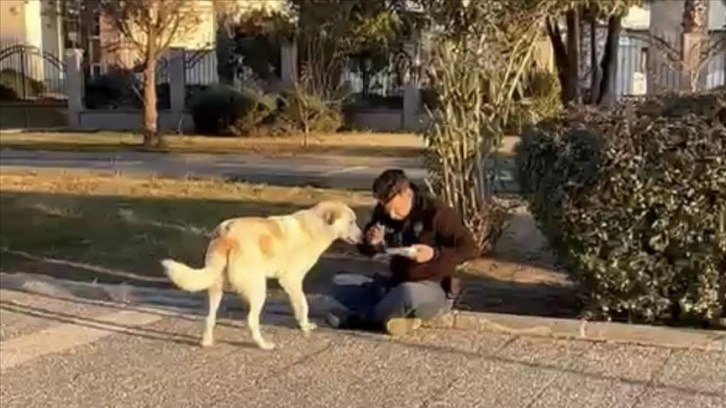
[
  {"x": 352, "y": 143},
  {"x": 129, "y": 224}
]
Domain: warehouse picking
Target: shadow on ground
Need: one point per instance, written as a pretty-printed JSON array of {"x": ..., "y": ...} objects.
[{"x": 114, "y": 239}]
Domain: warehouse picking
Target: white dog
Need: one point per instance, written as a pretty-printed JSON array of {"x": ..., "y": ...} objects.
[{"x": 252, "y": 250}]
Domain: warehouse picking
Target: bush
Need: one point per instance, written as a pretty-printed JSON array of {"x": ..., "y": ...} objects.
[
  {"x": 306, "y": 112},
  {"x": 112, "y": 90},
  {"x": 16, "y": 85},
  {"x": 222, "y": 110},
  {"x": 711, "y": 105},
  {"x": 634, "y": 203},
  {"x": 541, "y": 100}
]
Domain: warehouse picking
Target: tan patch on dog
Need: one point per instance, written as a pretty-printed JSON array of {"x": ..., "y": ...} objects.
[
  {"x": 224, "y": 245},
  {"x": 266, "y": 242},
  {"x": 266, "y": 245}
]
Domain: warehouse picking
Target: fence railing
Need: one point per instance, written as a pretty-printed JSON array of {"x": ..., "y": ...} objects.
[{"x": 30, "y": 75}]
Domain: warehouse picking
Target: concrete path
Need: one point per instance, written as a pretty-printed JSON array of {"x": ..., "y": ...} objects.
[
  {"x": 77, "y": 352},
  {"x": 323, "y": 171}
]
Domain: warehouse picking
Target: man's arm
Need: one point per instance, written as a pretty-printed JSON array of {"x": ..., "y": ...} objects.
[
  {"x": 365, "y": 248},
  {"x": 463, "y": 246},
  {"x": 458, "y": 246}
]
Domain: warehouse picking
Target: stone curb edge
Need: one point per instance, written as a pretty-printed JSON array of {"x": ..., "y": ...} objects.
[{"x": 658, "y": 336}]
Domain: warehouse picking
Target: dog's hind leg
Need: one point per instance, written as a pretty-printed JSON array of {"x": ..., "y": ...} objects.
[
  {"x": 293, "y": 286},
  {"x": 253, "y": 288},
  {"x": 215, "y": 298}
]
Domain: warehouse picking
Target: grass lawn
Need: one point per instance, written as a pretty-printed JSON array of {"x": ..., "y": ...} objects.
[
  {"x": 344, "y": 144},
  {"x": 116, "y": 229},
  {"x": 351, "y": 144}
]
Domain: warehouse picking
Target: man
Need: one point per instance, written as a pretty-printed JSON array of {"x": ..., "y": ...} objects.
[{"x": 419, "y": 287}]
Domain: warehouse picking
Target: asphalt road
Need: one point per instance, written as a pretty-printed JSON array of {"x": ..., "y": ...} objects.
[
  {"x": 321, "y": 171},
  {"x": 77, "y": 353}
]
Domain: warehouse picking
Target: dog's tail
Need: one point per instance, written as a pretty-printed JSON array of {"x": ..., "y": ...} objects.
[{"x": 195, "y": 280}]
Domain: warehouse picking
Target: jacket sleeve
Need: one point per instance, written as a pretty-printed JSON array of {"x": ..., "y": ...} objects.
[
  {"x": 457, "y": 246},
  {"x": 462, "y": 246},
  {"x": 365, "y": 248}
]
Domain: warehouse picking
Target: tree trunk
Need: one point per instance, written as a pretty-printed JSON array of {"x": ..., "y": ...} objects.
[
  {"x": 609, "y": 63},
  {"x": 151, "y": 133},
  {"x": 595, "y": 76},
  {"x": 225, "y": 68},
  {"x": 695, "y": 32},
  {"x": 560, "y": 54},
  {"x": 572, "y": 20}
]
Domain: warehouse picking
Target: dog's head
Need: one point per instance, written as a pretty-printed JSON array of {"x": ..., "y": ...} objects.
[{"x": 342, "y": 219}]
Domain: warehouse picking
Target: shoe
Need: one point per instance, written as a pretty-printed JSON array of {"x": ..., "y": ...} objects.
[
  {"x": 335, "y": 321},
  {"x": 400, "y": 326}
]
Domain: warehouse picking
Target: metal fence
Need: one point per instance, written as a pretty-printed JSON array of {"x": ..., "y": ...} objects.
[
  {"x": 30, "y": 75},
  {"x": 655, "y": 65},
  {"x": 121, "y": 87}
]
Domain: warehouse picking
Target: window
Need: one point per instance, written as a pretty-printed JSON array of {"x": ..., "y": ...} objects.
[{"x": 644, "y": 59}]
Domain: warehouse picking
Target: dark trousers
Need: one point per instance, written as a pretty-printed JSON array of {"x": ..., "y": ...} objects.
[{"x": 375, "y": 301}]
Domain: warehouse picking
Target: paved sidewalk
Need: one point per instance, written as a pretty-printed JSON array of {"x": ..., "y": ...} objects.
[{"x": 83, "y": 353}]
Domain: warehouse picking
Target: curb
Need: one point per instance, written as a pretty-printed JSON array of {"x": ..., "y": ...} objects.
[{"x": 655, "y": 336}]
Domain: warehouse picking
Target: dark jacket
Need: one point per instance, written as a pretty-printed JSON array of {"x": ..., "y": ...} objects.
[{"x": 430, "y": 222}]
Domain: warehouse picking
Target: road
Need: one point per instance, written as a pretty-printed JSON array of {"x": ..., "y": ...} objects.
[
  {"x": 322, "y": 171},
  {"x": 75, "y": 352}
]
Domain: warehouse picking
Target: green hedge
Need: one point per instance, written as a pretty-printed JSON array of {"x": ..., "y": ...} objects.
[{"x": 633, "y": 201}]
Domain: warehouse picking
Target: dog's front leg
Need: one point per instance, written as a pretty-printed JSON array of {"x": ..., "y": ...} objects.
[{"x": 294, "y": 289}]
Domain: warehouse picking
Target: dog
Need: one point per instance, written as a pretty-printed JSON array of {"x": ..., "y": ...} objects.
[{"x": 254, "y": 249}]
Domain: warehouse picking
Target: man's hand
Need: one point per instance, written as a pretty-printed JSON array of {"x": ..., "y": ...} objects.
[
  {"x": 424, "y": 253},
  {"x": 374, "y": 235}
]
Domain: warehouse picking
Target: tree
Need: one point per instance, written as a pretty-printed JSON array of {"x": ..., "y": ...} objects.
[
  {"x": 149, "y": 28},
  {"x": 567, "y": 50},
  {"x": 376, "y": 32},
  {"x": 480, "y": 54},
  {"x": 695, "y": 39}
]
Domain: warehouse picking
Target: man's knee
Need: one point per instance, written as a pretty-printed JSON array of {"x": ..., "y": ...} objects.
[
  {"x": 417, "y": 292},
  {"x": 411, "y": 299}
]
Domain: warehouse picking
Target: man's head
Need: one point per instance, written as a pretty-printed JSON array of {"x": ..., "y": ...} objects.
[{"x": 393, "y": 190}]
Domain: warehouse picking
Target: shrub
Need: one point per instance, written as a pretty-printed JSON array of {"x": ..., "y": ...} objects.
[
  {"x": 306, "y": 112},
  {"x": 112, "y": 90},
  {"x": 7, "y": 94},
  {"x": 255, "y": 110},
  {"x": 711, "y": 105},
  {"x": 222, "y": 110},
  {"x": 19, "y": 85},
  {"x": 541, "y": 100},
  {"x": 634, "y": 204}
]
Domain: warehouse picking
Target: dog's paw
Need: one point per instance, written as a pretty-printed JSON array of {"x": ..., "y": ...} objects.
[
  {"x": 207, "y": 342},
  {"x": 266, "y": 345},
  {"x": 308, "y": 327}
]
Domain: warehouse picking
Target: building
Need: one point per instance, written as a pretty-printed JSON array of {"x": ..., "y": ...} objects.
[{"x": 31, "y": 41}]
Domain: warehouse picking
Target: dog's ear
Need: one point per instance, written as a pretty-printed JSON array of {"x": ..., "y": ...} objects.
[
  {"x": 331, "y": 215},
  {"x": 328, "y": 212}
]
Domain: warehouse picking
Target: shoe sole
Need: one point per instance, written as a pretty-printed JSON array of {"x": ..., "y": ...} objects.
[{"x": 400, "y": 326}]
